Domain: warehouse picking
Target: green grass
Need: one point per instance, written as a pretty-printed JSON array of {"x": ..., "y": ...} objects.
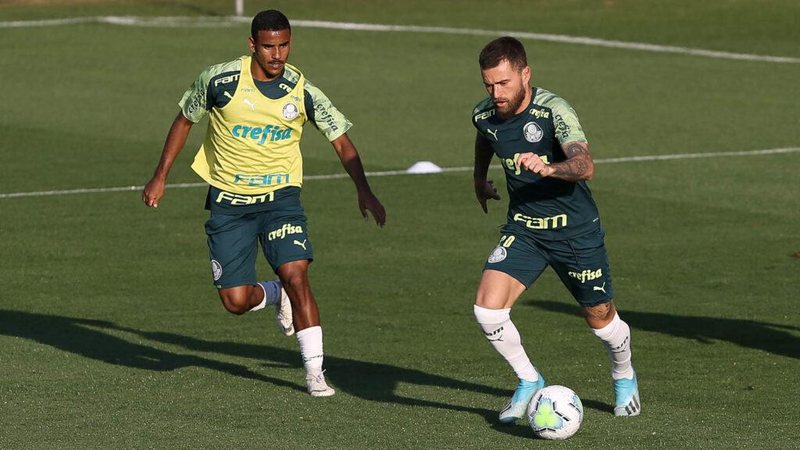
[{"x": 112, "y": 334}]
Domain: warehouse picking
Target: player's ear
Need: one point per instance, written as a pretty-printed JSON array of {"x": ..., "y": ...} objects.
[
  {"x": 526, "y": 74},
  {"x": 252, "y": 44}
]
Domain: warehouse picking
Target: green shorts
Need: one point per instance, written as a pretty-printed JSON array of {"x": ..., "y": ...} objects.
[
  {"x": 276, "y": 222},
  {"x": 581, "y": 263}
]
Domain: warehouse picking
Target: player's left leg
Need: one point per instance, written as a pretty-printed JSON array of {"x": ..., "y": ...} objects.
[
  {"x": 582, "y": 265},
  {"x": 615, "y": 334},
  {"x": 294, "y": 277}
]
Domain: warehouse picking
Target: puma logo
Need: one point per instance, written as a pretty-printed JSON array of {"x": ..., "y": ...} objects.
[
  {"x": 250, "y": 103},
  {"x": 493, "y": 133},
  {"x": 495, "y": 336},
  {"x": 594, "y": 288},
  {"x": 301, "y": 244}
]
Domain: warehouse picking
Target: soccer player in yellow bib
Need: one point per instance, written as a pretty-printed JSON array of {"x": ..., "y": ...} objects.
[{"x": 257, "y": 106}]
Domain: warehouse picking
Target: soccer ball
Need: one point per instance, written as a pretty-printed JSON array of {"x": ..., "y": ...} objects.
[{"x": 555, "y": 412}]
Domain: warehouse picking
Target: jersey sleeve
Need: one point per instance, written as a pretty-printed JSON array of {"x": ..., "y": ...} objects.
[
  {"x": 328, "y": 120},
  {"x": 482, "y": 111},
  {"x": 194, "y": 102},
  {"x": 565, "y": 121}
]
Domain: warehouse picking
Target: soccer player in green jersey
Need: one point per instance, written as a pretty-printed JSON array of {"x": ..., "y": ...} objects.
[
  {"x": 552, "y": 221},
  {"x": 257, "y": 105}
]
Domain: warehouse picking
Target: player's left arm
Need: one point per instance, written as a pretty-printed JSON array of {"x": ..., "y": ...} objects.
[
  {"x": 351, "y": 161},
  {"x": 578, "y": 166},
  {"x": 334, "y": 125}
]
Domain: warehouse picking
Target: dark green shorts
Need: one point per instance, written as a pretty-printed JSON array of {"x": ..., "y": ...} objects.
[
  {"x": 581, "y": 263},
  {"x": 278, "y": 225}
]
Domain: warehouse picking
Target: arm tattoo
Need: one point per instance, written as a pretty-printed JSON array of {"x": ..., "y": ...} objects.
[
  {"x": 575, "y": 149},
  {"x": 579, "y": 164}
]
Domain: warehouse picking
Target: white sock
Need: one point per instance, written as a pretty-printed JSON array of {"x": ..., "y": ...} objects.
[
  {"x": 616, "y": 337},
  {"x": 272, "y": 294},
  {"x": 504, "y": 337},
  {"x": 310, "y": 341}
]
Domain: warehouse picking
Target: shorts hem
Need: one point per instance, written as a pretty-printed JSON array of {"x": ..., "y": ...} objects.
[
  {"x": 523, "y": 282},
  {"x": 595, "y": 303}
]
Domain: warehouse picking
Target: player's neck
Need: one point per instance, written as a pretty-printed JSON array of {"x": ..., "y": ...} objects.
[{"x": 266, "y": 78}]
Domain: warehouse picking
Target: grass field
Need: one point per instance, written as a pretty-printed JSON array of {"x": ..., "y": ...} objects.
[{"x": 112, "y": 335}]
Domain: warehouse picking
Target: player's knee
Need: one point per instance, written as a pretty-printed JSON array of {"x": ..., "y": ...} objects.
[
  {"x": 294, "y": 281},
  {"x": 489, "y": 299},
  {"x": 294, "y": 278},
  {"x": 235, "y": 302},
  {"x": 603, "y": 312},
  {"x": 486, "y": 316}
]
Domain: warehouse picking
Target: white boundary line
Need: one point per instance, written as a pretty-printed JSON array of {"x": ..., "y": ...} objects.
[
  {"x": 560, "y": 38},
  {"x": 186, "y": 21},
  {"x": 389, "y": 173}
]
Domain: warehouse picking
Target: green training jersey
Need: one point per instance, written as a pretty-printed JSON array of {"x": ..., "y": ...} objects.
[{"x": 547, "y": 207}]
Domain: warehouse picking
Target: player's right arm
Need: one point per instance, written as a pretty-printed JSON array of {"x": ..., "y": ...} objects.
[
  {"x": 176, "y": 139},
  {"x": 484, "y": 189},
  {"x": 195, "y": 104}
]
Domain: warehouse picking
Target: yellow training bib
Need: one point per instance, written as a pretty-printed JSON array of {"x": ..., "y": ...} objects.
[{"x": 252, "y": 145}]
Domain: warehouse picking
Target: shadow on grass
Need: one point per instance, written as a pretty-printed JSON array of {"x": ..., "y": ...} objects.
[
  {"x": 86, "y": 337},
  {"x": 769, "y": 337},
  {"x": 366, "y": 380}
]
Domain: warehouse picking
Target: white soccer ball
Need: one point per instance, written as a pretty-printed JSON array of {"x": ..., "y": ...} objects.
[{"x": 555, "y": 412}]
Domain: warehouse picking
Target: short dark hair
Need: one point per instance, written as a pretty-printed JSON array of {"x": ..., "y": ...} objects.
[
  {"x": 269, "y": 20},
  {"x": 503, "y": 48}
]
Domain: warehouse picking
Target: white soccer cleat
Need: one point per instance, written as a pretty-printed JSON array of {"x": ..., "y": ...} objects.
[
  {"x": 283, "y": 313},
  {"x": 317, "y": 386},
  {"x": 626, "y": 392},
  {"x": 517, "y": 407}
]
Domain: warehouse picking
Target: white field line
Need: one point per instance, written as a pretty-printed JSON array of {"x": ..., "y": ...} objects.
[
  {"x": 350, "y": 26},
  {"x": 388, "y": 173}
]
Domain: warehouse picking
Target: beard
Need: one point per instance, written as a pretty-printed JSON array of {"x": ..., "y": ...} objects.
[{"x": 513, "y": 103}]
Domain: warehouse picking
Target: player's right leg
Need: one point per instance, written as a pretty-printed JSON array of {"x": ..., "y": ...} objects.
[
  {"x": 233, "y": 246},
  {"x": 500, "y": 287},
  {"x": 283, "y": 312},
  {"x": 496, "y": 294},
  {"x": 289, "y": 252},
  {"x": 250, "y": 298}
]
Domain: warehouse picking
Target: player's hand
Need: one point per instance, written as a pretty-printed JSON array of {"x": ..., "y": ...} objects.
[
  {"x": 368, "y": 202},
  {"x": 533, "y": 163},
  {"x": 153, "y": 192},
  {"x": 485, "y": 190}
]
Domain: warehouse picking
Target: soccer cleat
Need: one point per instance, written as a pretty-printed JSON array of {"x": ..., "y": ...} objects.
[
  {"x": 283, "y": 313},
  {"x": 317, "y": 386},
  {"x": 517, "y": 407},
  {"x": 626, "y": 391}
]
